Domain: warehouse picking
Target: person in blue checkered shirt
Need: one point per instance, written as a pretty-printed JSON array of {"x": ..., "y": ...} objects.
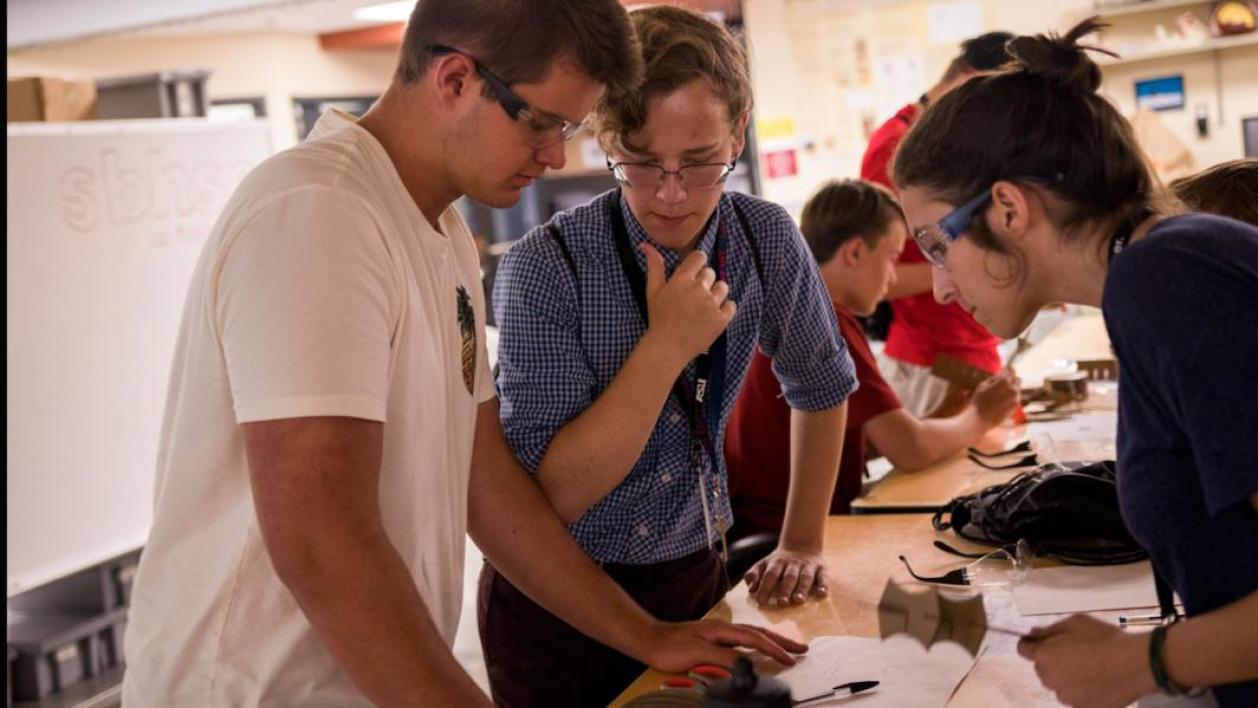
[{"x": 626, "y": 328}]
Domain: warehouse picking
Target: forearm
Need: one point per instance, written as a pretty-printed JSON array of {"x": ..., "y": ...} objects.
[
  {"x": 362, "y": 603},
  {"x": 930, "y": 440},
  {"x": 910, "y": 279},
  {"x": 510, "y": 520},
  {"x": 594, "y": 452},
  {"x": 816, "y": 446},
  {"x": 1215, "y": 648},
  {"x": 954, "y": 401}
]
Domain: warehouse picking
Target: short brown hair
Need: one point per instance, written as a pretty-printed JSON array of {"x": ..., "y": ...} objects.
[
  {"x": 518, "y": 40},
  {"x": 678, "y": 46},
  {"x": 1039, "y": 117},
  {"x": 1227, "y": 189},
  {"x": 842, "y": 210}
]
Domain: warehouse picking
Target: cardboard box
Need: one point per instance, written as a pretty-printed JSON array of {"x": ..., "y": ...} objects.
[{"x": 49, "y": 98}]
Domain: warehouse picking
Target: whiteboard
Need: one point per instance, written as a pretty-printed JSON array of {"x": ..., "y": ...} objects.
[{"x": 105, "y": 223}]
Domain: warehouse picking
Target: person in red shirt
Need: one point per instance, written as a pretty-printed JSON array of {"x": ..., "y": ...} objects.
[
  {"x": 921, "y": 329},
  {"x": 855, "y": 231}
]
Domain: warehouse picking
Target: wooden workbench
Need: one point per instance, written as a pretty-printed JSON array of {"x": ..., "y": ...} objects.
[
  {"x": 861, "y": 553},
  {"x": 861, "y": 550}
]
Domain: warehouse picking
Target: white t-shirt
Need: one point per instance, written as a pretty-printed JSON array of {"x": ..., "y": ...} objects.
[{"x": 322, "y": 291}]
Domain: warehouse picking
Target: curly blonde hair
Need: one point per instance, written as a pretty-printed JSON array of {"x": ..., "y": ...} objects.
[{"x": 678, "y": 46}]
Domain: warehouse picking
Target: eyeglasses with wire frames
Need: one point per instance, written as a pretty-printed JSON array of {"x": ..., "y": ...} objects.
[
  {"x": 933, "y": 240},
  {"x": 1004, "y": 567},
  {"x": 542, "y": 129},
  {"x": 648, "y": 175}
]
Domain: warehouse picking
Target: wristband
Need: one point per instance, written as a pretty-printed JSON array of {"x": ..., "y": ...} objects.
[{"x": 1157, "y": 641}]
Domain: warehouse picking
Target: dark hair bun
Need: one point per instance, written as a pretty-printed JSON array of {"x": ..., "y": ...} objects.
[
  {"x": 986, "y": 52},
  {"x": 1060, "y": 60}
]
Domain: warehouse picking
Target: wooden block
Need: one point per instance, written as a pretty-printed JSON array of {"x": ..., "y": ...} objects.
[
  {"x": 953, "y": 370},
  {"x": 1099, "y": 369}
]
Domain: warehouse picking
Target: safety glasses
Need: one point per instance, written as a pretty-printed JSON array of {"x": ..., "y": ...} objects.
[
  {"x": 1004, "y": 567},
  {"x": 933, "y": 240},
  {"x": 541, "y": 129}
]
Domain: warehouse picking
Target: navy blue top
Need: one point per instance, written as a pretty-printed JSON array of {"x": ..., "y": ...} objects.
[
  {"x": 1181, "y": 307},
  {"x": 562, "y": 339}
]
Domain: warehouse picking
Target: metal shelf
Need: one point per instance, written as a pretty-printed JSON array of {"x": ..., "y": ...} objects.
[
  {"x": 1210, "y": 45},
  {"x": 101, "y": 691},
  {"x": 1144, "y": 8}
]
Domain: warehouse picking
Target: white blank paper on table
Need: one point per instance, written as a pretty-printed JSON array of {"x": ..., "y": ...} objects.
[
  {"x": 907, "y": 673},
  {"x": 1078, "y": 588},
  {"x": 1080, "y": 427}
]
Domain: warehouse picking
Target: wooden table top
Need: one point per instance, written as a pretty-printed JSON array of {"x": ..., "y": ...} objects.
[{"x": 861, "y": 552}]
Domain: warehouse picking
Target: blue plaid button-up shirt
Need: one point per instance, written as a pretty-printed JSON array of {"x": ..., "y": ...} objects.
[{"x": 563, "y": 338}]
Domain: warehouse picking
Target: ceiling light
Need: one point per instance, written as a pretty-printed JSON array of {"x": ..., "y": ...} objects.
[{"x": 386, "y": 12}]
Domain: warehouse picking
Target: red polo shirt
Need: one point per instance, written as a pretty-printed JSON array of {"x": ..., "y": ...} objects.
[
  {"x": 758, "y": 437},
  {"x": 921, "y": 328}
]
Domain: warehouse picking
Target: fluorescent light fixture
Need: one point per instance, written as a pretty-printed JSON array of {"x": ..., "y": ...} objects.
[{"x": 386, "y": 12}]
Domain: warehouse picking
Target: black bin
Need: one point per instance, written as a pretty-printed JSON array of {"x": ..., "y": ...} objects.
[
  {"x": 8, "y": 675},
  {"x": 120, "y": 574},
  {"x": 111, "y": 636},
  {"x": 54, "y": 651},
  {"x": 163, "y": 94}
]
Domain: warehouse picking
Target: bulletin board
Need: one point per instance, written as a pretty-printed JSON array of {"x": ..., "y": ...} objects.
[
  {"x": 105, "y": 222},
  {"x": 827, "y": 73}
]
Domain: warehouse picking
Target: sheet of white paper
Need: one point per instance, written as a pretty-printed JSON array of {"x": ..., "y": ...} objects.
[
  {"x": 1096, "y": 425},
  {"x": 877, "y": 468},
  {"x": 1077, "y": 588},
  {"x": 908, "y": 675}
]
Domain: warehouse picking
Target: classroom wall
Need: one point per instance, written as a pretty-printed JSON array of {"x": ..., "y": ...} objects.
[
  {"x": 278, "y": 66},
  {"x": 827, "y": 72},
  {"x": 1237, "y": 69}
]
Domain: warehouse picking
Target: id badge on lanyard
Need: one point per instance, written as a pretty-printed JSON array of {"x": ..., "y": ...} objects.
[
  {"x": 707, "y": 485},
  {"x": 709, "y": 379}
]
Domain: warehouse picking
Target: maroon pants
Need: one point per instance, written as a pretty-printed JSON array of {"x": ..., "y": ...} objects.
[{"x": 536, "y": 659}]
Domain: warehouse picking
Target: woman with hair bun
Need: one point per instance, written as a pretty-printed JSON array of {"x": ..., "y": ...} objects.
[{"x": 1026, "y": 188}]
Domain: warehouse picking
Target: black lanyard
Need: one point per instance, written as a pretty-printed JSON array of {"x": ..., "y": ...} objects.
[{"x": 704, "y": 401}]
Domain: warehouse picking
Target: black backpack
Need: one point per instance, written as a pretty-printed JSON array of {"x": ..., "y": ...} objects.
[{"x": 1068, "y": 511}]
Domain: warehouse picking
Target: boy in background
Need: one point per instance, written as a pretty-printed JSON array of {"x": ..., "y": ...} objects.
[
  {"x": 856, "y": 232},
  {"x": 1227, "y": 189}
]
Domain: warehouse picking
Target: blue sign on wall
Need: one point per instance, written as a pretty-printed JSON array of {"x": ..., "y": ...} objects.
[{"x": 1164, "y": 93}]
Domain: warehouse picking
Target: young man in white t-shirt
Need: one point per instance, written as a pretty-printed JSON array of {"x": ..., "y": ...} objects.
[{"x": 331, "y": 430}]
